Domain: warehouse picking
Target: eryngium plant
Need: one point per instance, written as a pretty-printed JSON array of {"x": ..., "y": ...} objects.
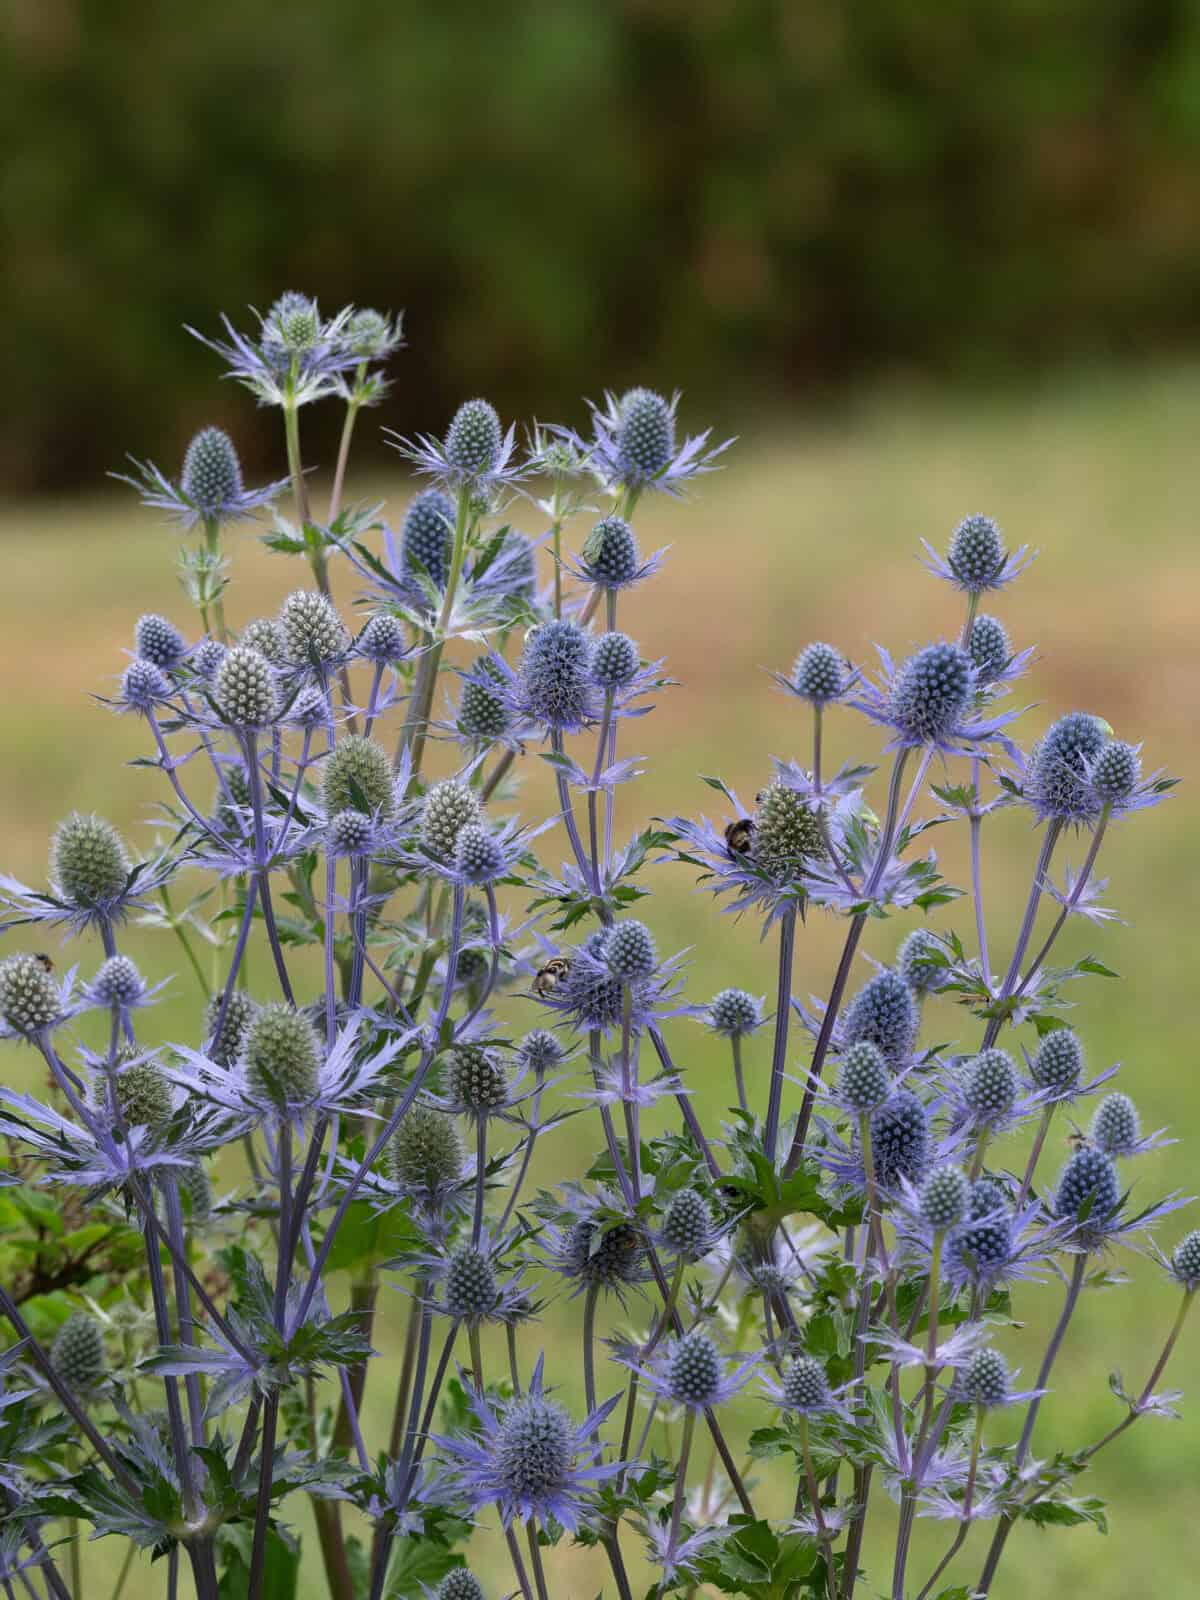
[{"x": 794, "y": 1320}]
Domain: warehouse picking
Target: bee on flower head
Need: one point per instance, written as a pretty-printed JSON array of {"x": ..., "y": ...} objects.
[
  {"x": 739, "y": 836},
  {"x": 548, "y": 977}
]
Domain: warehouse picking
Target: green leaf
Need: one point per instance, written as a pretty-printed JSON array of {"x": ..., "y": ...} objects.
[{"x": 1067, "y": 1513}]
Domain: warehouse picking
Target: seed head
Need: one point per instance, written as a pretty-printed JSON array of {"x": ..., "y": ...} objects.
[
  {"x": 615, "y": 661},
  {"x": 428, "y": 533},
  {"x": 1185, "y": 1260},
  {"x": 1057, "y": 780},
  {"x": 645, "y": 436},
  {"x": 266, "y": 636},
  {"x": 786, "y": 832},
  {"x": 1058, "y": 1064},
  {"x": 985, "y": 1380},
  {"x": 819, "y": 673},
  {"x": 28, "y": 997},
  {"x": 694, "y": 1370},
  {"x": 212, "y": 474},
  {"x": 555, "y": 669},
  {"x": 884, "y": 1012},
  {"x": 533, "y": 1449},
  {"x": 1115, "y": 772},
  {"x": 540, "y": 1050},
  {"x": 864, "y": 1079},
  {"x": 608, "y": 1259},
  {"x": 944, "y": 1198},
  {"x": 382, "y": 639},
  {"x": 449, "y": 808},
  {"x": 900, "y": 1138},
  {"x": 976, "y": 553},
  {"x": 805, "y": 1386},
  {"x": 225, "y": 1046},
  {"x": 990, "y": 1085},
  {"x": 459, "y": 1584},
  {"x": 77, "y": 1354},
  {"x": 118, "y": 982},
  {"x": 358, "y": 777},
  {"x": 207, "y": 658},
  {"x": 349, "y": 833},
  {"x": 477, "y": 854},
  {"x": 1116, "y": 1126},
  {"x": 312, "y": 630},
  {"x": 470, "y": 1286},
  {"x": 630, "y": 951},
  {"x": 1088, "y": 1184},
  {"x": 158, "y": 641},
  {"x": 733, "y": 1013},
  {"x": 610, "y": 553},
  {"x": 687, "y": 1224},
  {"x": 474, "y": 439},
  {"x": 426, "y": 1154},
  {"x": 142, "y": 1093},
  {"x": 282, "y": 1055},
  {"x": 930, "y": 693},
  {"x": 88, "y": 861},
  {"x": 477, "y": 1078},
  {"x": 245, "y": 688},
  {"x": 988, "y": 648}
]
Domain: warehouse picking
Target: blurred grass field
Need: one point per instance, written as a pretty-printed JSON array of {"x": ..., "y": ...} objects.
[{"x": 812, "y": 532}]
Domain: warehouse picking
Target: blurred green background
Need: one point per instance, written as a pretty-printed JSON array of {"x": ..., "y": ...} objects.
[{"x": 923, "y": 260}]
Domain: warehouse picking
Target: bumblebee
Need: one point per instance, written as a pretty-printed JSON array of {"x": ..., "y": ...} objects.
[
  {"x": 43, "y": 960},
  {"x": 739, "y": 836},
  {"x": 550, "y": 976}
]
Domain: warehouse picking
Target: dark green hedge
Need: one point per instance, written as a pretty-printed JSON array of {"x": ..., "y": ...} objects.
[{"x": 738, "y": 196}]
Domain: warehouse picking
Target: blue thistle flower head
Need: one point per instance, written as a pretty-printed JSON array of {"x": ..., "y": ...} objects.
[
  {"x": 884, "y": 1013},
  {"x": 29, "y": 997},
  {"x": 89, "y": 863},
  {"x": 609, "y": 1258},
  {"x": 982, "y": 1247},
  {"x": 976, "y": 553},
  {"x": 989, "y": 648},
  {"x": 990, "y": 1087},
  {"x": 245, "y": 691},
  {"x": 483, "y": 710},
  {"x": 1115, "y": 772},
  {"x": 265, "y": 635},
  {"x": 1116, "y": 1126},
  {"x": 373, "y": 335},
  {"x": 1185, "y": 1261},
  {"x": 610, "y": 554},
  {"x": 459, "y": 1584},
  {"x": 474, "y": 439},
  {"x": 943, "y": 1198},
  {"x": 615, "y": 661},
  {"x": 1057, "y": 1067},
  {"x": 312, "y": 632},
  {"x": 449, "y": 807},
  {"x": 478, "y": 856},
  {"x": 469, "y": 1286},
  {"x": 645, "y": 435},
  {"x": 118, "y": 983},
  {"x": 921, "y": 961},
  {"x": 158, "y": 641},
  {"x": 687, "y": 1225},
  {"x": 293, "y": 323},
  {"x": 212, "y": 474},
  {"x": 540, "y": 1051},
  {"x": 931, "y": 693},
  {"x": 984, "y": 1380},
  {"x": 693, "y": 1371},
  {"x": 427, "y": 534},
  {"x": 629, "y": 951},
  {"x": 206, "y": 659},
  {"x": 734, "y": 1013},
  {"x": 900, "y": 1139},
  {"x": 805, "y": 1386},
  {"x": 864, "y": 1079},
  {"x": 1088, "y": 1192},
  {"x": 556, "y": 674},
  {"x": 820, "y": 674},
  {"x": 350, "y": 833},
  {"x": 143, "y": 686},
  {"x": 382, "y": 639},
  {"x": 1057, "y": 782}
]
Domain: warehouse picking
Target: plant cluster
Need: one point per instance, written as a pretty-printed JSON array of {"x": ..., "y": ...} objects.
[{"x": 791, "y": 1318}]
